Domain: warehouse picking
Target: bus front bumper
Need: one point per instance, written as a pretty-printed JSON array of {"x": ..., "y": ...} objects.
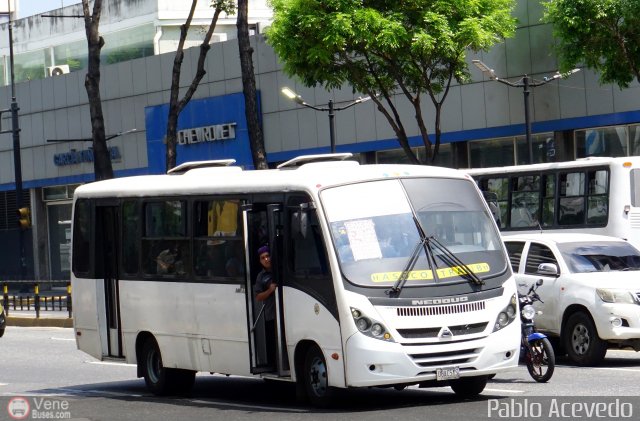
[{"x": 373, "y": 362}]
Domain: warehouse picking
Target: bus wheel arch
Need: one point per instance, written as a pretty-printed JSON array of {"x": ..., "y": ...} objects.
[
  {"x": 160, "y": 380},
  {"x": 312, "y": 379}
]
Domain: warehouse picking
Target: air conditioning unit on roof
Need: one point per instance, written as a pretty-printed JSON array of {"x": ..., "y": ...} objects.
[{"x": 60, "y": 69}]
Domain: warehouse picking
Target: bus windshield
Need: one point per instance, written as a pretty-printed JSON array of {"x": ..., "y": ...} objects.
[{"x": 376, "y": 227}]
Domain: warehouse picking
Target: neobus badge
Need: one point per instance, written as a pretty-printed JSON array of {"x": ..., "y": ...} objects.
[{"x": 446, "y": 300}]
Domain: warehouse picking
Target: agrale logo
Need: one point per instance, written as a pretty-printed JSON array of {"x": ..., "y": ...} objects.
[{"x": 18, "y": 408}]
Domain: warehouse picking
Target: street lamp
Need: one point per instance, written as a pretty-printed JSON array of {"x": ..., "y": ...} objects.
[
  {"x": 331, "y": 108},
  {"x": 15, "y": 130},
  {"x": 524, "y": 83}
]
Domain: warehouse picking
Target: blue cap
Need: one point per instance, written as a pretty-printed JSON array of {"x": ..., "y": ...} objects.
[{"x": 263, "y": 249}]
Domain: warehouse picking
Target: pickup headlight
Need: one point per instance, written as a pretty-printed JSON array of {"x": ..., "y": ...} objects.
[
  {"x": 369, "y": 326},
  {"x": 616, "y": 296}
]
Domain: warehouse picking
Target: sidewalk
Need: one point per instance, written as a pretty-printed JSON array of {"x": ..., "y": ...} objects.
[{"x": 27, "y": 318}]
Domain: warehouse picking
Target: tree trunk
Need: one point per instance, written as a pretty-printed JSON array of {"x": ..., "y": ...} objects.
[
  {"x": 101, "y": 157},
  {"x": 176, "y": 106},
  {"x": 256, "y": 140}
]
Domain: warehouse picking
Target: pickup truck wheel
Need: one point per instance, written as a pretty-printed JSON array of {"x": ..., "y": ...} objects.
[{"x": 582, "y": 343}]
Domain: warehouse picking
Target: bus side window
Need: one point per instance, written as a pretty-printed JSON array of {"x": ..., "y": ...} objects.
[
  {"x": 308, "y": 257},
  {"x": 130, "y": 235},
  {"x": 82, "y": 237}
]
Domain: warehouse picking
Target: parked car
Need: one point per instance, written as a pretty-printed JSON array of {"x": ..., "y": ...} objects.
[
  {"x": 591, "y": 290},
  {"x": 3, "y": 321}
]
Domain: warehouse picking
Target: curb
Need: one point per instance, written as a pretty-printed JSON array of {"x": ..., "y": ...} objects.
[{"x": 41, "y": 322}]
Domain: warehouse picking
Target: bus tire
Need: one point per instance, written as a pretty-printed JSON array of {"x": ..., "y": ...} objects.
[
  {"x": 163, "y": 381},
  {"x": 584, "y": 346},
  {"x": 315, "y": 378},
  {"x": 154, "y": 373},
  {"x": 468, "y": 387}
]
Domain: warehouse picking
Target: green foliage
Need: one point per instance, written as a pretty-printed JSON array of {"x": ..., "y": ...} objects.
[
  {"x": 227, "y": 6},
  {"x": 382, "y": 46},
  {"x": 74, "y": 64},
  {"x": 327, "y": 42},
  {"x": 602, "y": 34},
  {"x": 23, "y": 73}
]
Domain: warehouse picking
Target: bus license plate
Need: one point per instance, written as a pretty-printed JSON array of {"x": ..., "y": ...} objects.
[{"x": 449, "y": 373}]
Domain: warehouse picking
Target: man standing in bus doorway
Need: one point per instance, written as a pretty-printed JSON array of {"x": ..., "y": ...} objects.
[{"x": 264, "y": 288}]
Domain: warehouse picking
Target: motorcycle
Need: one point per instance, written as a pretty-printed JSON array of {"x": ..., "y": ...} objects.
[{"x": 535, "y": 348}]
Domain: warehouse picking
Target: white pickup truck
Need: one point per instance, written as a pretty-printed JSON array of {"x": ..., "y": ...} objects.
[{"x": 591, "y": 290}]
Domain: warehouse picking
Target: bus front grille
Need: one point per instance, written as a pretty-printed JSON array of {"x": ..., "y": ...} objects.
[
  {"x": 440, "y": 310},
  {"x": 439, "y": 359},
  {"x": 432, "y": 332}
]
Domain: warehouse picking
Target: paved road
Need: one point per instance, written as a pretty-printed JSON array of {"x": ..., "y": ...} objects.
[{"x": 42, "y": 366}]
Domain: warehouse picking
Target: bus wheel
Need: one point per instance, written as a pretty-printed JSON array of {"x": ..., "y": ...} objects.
[
  {"x": 160, "y": 380},
  {"x": 316, "y": 381},
  {"x": 155, "y": 375},
  {"x": 468, "y": 387}
]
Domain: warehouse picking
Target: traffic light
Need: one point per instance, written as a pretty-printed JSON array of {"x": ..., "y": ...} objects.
[{"x": 24, "y": 218}]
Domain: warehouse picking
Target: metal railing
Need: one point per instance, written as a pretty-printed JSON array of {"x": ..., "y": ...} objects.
[{"x": 26, "y": 295}]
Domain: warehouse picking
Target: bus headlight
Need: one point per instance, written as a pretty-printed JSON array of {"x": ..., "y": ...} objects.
[
  {"x": 370, "y": 327},
  {"x": 362, "y": 324},
  {"x": 506, "y": 316}
]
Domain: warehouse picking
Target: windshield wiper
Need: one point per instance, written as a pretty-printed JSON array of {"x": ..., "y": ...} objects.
[
  {"x": 452, "y": 260},
  {"x": 402, "y": 279}
]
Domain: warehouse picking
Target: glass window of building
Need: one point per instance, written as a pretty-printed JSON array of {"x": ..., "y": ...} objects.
[
  {"x": 30, "y": 66},
  {"x": 491, "y": 153},
  {"x": 393, "y": 156},
  {"x": 397, "y": 156},
  {"x": 602, "y": 141},
  {"x": 444, "y": 158},
  {"x": 73, "y": 54},
  {"x": 543, "y": 148},
  {"x": 128, "y": 44},
  {"x": 634, "y": 140}
]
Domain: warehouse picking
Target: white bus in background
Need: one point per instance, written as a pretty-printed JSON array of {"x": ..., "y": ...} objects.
[
  {"x": 388, "y": 275},
  {"x": 595, "y": 195}
]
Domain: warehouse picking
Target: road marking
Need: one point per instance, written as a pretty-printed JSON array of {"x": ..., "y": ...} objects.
[
  {"x": 110, "y": 363},
  {"x": 503, "y": 390},
  {"x": 637, "y": 370},
  {"x": 92, "y": 392},
  {"x": 4, "y": 384},
  {"x": 249, "y": 406},
  {"x": 62, "y": 339}
]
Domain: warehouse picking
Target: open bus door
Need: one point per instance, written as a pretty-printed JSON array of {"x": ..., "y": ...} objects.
[
  {"x": 107, "y": 268},
  {"x": 264, "y": 226}
]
